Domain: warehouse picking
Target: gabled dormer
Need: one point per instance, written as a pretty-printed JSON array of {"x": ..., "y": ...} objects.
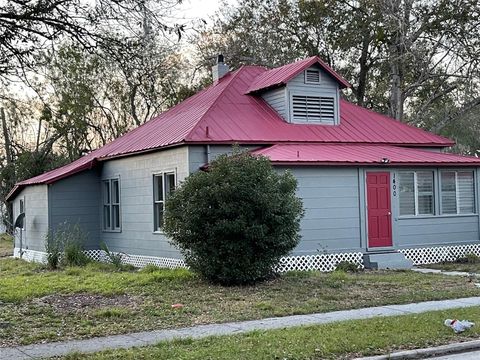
[{"x": 305, "y": 92}]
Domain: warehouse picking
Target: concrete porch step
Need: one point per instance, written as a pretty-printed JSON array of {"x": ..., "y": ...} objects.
[{"x": 393, "y": 260}]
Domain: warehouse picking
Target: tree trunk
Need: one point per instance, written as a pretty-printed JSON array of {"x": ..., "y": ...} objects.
[
  {"x": 362, "y": 76},
  {"x": 396, "y": 96},
  {"x": 6, "y": 137},
  {"x": 9, "y": 159}
]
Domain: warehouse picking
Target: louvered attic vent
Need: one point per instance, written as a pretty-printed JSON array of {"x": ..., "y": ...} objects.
[
  {"x": 312, "y": 76},
  {"x": 313, "y": 109}
]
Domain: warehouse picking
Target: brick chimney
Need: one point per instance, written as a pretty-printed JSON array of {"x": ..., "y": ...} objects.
[{"x": 220, "y": 69}]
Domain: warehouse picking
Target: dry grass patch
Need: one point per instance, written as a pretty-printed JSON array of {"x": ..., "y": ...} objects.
[
  {"x": 97, "y": 300},
  {"x": 365, "y": 337}
]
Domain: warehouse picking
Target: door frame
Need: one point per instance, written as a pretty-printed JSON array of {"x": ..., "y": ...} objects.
[{"x": 365, "y": 209}]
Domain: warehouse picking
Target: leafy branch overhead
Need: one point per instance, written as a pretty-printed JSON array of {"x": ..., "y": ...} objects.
[{"x": 29, "y": 27}]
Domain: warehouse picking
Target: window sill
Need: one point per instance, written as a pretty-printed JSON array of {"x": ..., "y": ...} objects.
[
  {"x": 443, "y": 216},
  {"x": 158, "y": 233},
  {"x": 112, "y": 231}
]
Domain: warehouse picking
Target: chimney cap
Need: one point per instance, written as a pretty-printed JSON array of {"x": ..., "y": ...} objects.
[{"x": 220, "y": 58}]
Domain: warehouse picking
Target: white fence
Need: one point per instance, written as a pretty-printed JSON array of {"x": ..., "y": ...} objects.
[{"x": 321, "y": 262}]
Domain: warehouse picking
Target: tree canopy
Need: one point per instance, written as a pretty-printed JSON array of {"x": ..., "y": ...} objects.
[
  {"x": 415, "y": 60},
  {"x": 76, "y": 74}
]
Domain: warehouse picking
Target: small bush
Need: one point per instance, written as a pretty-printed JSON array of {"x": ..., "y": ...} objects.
[
  {"x": 235, "y": 221},
  {"x": 64, "y": 246},
  {"x": 347, "y": 266},
  {"x": 73, "y": 254},
  {"x": 469, "y": 258},
  {"x": 116, "y": 259},
  {"x": 53, "y": 248}
]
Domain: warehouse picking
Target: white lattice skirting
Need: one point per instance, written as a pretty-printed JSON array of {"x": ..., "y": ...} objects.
[
  {"x": 139, "y": 260},
  {"x": 321, "y": 262},
  {"x": 432, "y": 255}
]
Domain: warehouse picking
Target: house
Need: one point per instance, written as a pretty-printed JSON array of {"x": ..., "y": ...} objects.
[{"x": 375, "y": 190}]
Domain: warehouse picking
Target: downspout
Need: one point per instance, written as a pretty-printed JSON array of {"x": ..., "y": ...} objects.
[{"x": 208, "y": 154}]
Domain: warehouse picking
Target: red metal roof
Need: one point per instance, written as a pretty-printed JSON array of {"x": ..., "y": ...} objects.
[
  {"x": 224, "y": 114},
  {"x": 354, "y": 154},
  {"x": 282, "y": 74}
]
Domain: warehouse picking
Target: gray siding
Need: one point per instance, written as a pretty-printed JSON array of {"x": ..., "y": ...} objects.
[
  {"x": 327, "y": 87},
  {"x": 437, "y": 231},
  {"x": 331, "y": 201},
  {"x": 75, "y": 200},
  {"x": 136, "y": 201},
  {"x": 277, "y": 99},
  {"x": 198, "y": 154},
  {"x": 36, "y": 217},
  {"x": 280, "y": 99}
]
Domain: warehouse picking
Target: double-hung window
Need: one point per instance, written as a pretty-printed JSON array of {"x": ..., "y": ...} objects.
[
  {"x": 163, "y": 186},
  {"x": 22, "y": 210},
  {"x": 111, "y": 205},
  {"x": 457, "y": 192},
  {"x": 416, "y": 193}
]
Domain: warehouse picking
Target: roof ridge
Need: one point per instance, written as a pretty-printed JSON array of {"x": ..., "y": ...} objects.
[{"x": 233, "y": 74}]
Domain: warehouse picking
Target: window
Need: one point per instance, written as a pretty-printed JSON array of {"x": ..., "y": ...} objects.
[
  {"x": 312, "y": 76},
  {"x": 21, "y": 208},
  {"x": 313, "y": 108},
  {"x": 111, "y": 205},
  {"x": 163, "y": 186},
  {"x": 457, "y": 192},
  {"x": 416, "y": 193}
]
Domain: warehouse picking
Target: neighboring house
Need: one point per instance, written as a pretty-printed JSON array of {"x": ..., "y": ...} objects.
[{"x": 370, "y": 185}]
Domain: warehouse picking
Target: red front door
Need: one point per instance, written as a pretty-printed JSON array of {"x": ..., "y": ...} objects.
[{"x": 379, "y": 209}]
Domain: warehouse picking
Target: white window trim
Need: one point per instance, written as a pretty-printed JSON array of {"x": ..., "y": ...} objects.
[
  {"x": 111, "y": 229},
  {"x": 415, "y": 192},
  {"x": 457, "y": 198},
  {"x": 313, "y": 82},
  {"x": 162, "y": 174}
]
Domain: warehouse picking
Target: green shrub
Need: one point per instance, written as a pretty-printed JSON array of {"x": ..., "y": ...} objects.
[
  {"x": 235, "y": 221},
  {"x": 73, "y": 254},
  {"x": 347, "y": 266},
  {"x": 469, "y": 258},
  {"x": 115, "y": 259},
  {"x": 64, "y": 246},
  {"x": 53, "y": 248}
]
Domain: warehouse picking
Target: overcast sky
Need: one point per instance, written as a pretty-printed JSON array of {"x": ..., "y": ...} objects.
[{"x": 199, "y": 8}]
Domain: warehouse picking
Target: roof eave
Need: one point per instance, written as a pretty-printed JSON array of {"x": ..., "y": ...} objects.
[
  {"x": 372, "y": 164},
  {"x": 21, "y": 185}
]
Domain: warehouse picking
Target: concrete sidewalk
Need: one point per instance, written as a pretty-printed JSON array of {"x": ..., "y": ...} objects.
[{"x": 152, "y": 337}]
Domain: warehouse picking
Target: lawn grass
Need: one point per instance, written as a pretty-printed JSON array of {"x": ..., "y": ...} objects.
[
  {"x": 41, "y": 305},
  {"x": 365, "y": 337},
  {"x": 6, "y": 245},
  {"x": 455, "y": 266}
]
